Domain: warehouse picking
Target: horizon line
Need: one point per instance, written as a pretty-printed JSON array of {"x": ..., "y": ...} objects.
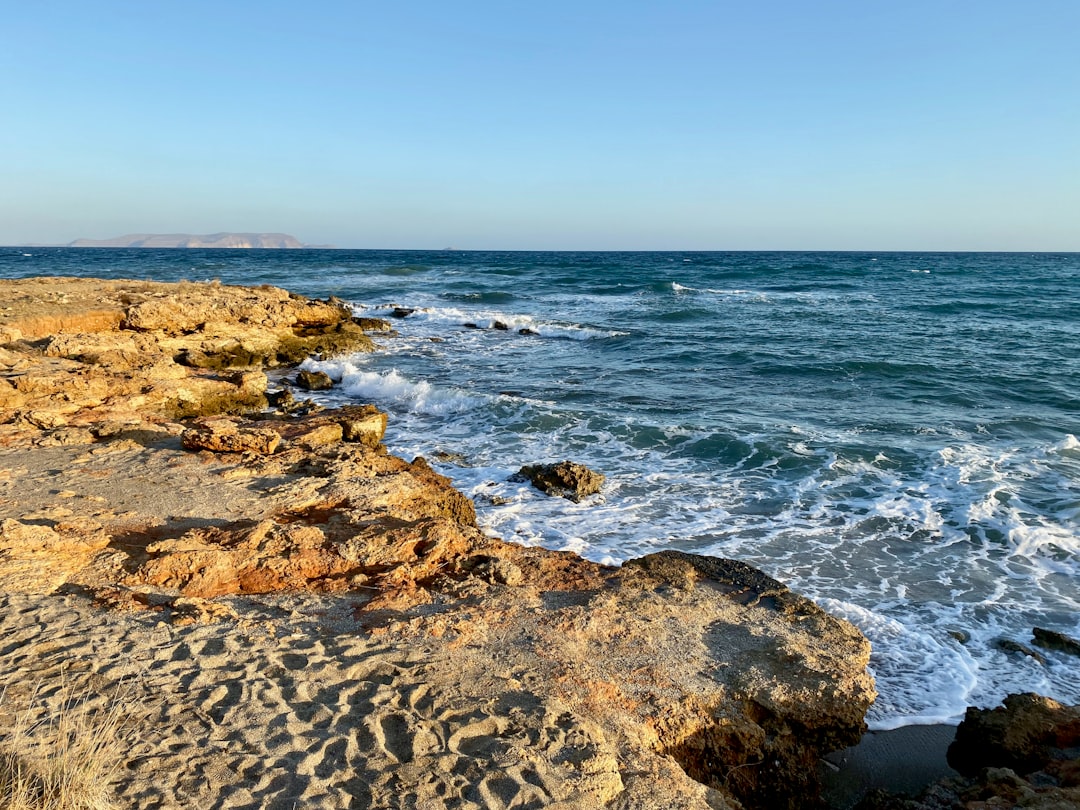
[{"x": 67, "y": 246}]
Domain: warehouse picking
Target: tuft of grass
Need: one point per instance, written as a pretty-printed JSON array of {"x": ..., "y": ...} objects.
[{"x": 64, "y": 760}]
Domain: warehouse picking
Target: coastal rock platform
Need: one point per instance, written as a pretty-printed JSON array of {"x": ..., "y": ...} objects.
[{"x": 291, "y": 616}]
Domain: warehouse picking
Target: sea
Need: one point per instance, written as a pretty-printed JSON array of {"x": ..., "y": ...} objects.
[{"x": 894, "y": 435}]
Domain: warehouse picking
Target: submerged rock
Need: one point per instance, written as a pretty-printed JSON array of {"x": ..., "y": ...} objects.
[
  {"x": 567, "y": 479},
  {"x": 1010, "y": 646}
]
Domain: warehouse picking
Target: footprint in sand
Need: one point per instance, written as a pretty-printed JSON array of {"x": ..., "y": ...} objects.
[
  {"x": 404, "y": 740},
  {"x": 479, "y": 739}
]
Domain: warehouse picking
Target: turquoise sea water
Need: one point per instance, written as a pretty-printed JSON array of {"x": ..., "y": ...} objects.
[{"x": 893, "y": 434}]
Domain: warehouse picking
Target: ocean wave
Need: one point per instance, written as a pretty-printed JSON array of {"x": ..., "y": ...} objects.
[
  {"x": 390, "y": 387},
  {"x": 495, "y": 319},
  {"x": 775, "y": 296},
  {"x": 921, "y": 678}
]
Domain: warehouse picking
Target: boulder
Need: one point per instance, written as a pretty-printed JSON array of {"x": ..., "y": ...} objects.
[
  {"x": 39, "y": 559},
  {"x": 225, "y": 436},
  {"x": 567, "y": 479},
  {"x": 1053, "y": 640},
  {"x": 314, "y": 380},
  {"x": 365, "y": 424},
  {"x": 1025, "y": 734}
]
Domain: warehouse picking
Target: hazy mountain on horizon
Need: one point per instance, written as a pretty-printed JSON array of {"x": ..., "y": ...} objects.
[{"x": 187, "y": 240}]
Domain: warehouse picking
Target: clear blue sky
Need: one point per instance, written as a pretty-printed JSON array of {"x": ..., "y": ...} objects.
[{"x": 775, "y": 124}]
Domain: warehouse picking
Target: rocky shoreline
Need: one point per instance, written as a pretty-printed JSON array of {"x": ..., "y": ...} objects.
[{"x": 299, "y": 618}]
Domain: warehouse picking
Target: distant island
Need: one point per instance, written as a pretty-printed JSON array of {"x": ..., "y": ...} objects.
[{"x": 187, "y": 240}]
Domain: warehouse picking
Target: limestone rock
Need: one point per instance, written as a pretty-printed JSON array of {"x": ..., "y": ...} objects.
[
  {"x": 674, "y": 682},
  {"x": 92, "y": 349},
  {"x": 362, "y": 423},
  {"x": 225, "y": 436},
  {"x": 1025, "y": 734},
  {"x": 314, "y": 380},
  {"x": 38, "y": 558},
  {"x": 566, "y": 479}
]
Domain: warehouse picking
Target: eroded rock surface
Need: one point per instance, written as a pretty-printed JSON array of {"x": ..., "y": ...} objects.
[
  {"x": 484, "y": 674},
  {"x": 567, "y": 479},
  {"x": 76, "y": 351}
]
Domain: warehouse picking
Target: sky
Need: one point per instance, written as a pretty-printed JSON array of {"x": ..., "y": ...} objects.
[{"x": 587, "y": 125}]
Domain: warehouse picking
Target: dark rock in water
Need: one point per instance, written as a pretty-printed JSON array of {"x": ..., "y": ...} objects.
[
  {"x": 566, "y": 479},
  {"x": 1008, "y": 645},
  {"x": 527, "y": 331},
  {"x": 470, "y": 325},
  {"x": 451, "y": 458},
  {"x": 1028, "y": 733},
  {"x": 1023, "y": 754},
  {"x": 314, "y": 381},
  {"x": 286, "y": 403},
  {"x": 374, "y": 324},
  {"x": 502, "y": 327},
  {"x": 401, "y": 312},
  {"x": 1053, "y": 640}
]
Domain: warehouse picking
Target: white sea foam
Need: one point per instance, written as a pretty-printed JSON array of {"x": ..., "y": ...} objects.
[
  {"x": 977, "y": 538},
  {"x": 772, "y": 296},
  {"x": 489, "y": 318},
  {"x": 1069, "y": 443},
  {"x": 921, "y": 678},
  {"x": 391, "y": 388}
]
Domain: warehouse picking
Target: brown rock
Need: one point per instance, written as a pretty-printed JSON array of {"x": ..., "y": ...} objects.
[
  {"x": 320, "y": 436},
  {"x": 373, "y": 324},
  {"x": 362, "y": 423},
  {"x": 314, "y": 380},
  {"x": 35, "y": 558},
  {"x": 1024, "y": 734},
  {"x": 225, "y": 436},
  {"x": 566, "y": 479},
  {"x": 606, "y": 687},
  {"x": 124, "y": 348},
  {"x": 1052, "y": 640}
]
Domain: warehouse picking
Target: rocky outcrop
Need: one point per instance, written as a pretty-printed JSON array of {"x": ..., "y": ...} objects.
[
  {"x": 1053, "y": 640},
  {"x": 675, "y": 681},
  {"x": 1027, "y": 733},
  {"x": 77, "y": 351},
  {"x": 1025, "y": 753},
  {"x": 567, "y": 479}
]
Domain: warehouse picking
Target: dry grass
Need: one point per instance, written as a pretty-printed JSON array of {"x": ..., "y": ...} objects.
[{"x": 63, "y": 758}]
